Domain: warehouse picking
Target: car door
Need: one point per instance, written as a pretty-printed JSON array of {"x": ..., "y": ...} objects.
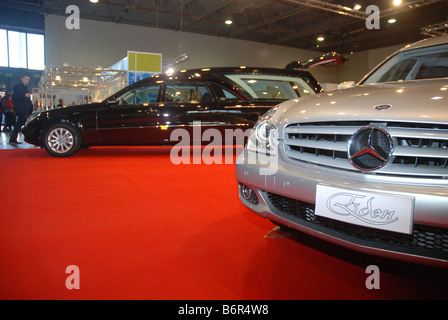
[
  {"x": 132, "y": 117},
  {"x": 188, "y": 104}
]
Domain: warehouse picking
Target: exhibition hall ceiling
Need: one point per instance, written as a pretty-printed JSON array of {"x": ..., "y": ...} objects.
[{"x": 342, "y": 24}]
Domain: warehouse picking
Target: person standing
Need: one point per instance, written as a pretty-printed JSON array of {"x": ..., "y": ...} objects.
[
  {"x": 8, "y": 109},
  {"x": 21, "y": 99}
]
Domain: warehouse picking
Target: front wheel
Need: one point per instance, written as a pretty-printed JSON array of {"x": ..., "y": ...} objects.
[{"x": 62, "y": 140}]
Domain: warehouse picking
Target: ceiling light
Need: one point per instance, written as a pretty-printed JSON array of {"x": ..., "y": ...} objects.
[
  {"x": 396, "y": 2},
  {"x": 357, "y": 7},
  {"x": 94, "y": 1},
  {"x": 392, "y": 20},
  {"x": 320, "y": 38},
  {"x": 229, "y": 19}
]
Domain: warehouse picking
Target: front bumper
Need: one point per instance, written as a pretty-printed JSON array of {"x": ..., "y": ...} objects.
[
  {"x": 32, "y": 133},
  {"x": 289, "y": 195}
]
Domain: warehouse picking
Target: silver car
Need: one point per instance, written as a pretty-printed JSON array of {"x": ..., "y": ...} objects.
[{"x": 365, "y": 167}]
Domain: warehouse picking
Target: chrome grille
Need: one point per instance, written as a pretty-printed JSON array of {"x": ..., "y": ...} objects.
[{"x": 419, "y": 149}]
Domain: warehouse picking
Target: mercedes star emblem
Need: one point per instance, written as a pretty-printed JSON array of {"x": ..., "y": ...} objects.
[
  {"x": 382, "y": 107},
  {"x": 370, "y": 148}
]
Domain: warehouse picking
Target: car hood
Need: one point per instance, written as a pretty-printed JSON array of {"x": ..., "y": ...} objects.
[
  {"x": 411, "y": 101},
  {"x": 73, "y": 109}
]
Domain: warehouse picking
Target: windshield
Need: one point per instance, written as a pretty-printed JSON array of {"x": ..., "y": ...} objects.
[
  {"x": 267, "y": 87},
  {"x": 423, "y": 63}
]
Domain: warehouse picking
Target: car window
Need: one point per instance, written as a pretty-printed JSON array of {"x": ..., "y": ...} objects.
[
  {"x": 400, "y": 71},
  {"x": 139, "y": 95},
  {"x": 422, "y": 63},
  {"x": 187, "y": 93},
  {"x": 270, "y": 87},
  {"x": 223, "y": 94}
]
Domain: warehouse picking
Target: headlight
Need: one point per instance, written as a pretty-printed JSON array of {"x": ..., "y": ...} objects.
[
  {"x": 32, "y": 117},
  {"x": 263, "y": 138},
  {"x": 262, "y": 131}
]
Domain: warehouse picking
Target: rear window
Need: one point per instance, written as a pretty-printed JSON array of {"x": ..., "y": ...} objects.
[{"x": 271, "y": 87}]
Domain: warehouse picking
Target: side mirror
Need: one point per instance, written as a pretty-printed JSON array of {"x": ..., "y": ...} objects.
[{"x": 345, "y": 85}]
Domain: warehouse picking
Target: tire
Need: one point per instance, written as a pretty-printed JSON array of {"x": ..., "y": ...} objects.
[{"x": 62, "y": 140}]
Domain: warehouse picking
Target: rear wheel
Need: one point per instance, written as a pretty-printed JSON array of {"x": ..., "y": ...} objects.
[{"x": 62, "y": 140}]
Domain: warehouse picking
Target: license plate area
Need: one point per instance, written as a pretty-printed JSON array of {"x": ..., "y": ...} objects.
[{"x": 369, "y": 209}]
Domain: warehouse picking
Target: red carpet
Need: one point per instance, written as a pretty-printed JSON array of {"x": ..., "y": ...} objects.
[{"x": 139, "y": 227}]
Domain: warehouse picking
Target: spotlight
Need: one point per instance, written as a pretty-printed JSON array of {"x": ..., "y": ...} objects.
[
  {"x": 229, "y": 19},
  {"x": 320, "y": 38},
  {"x": 397, "y": 2},
  {"x": 392, "y": 20},
  {"x": 357, "y": 7},
  {"x": 94, "y": 1}
]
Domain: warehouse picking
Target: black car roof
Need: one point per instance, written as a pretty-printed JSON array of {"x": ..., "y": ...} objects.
[
  {"x": 236, "y": 70},
  {"x": 217, "y": 74}
]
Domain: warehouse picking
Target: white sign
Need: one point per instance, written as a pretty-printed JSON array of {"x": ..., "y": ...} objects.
[{"x": 381, "y": 211}]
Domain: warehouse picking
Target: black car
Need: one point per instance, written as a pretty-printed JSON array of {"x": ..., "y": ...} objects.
[{"x": 147, "y": 112}]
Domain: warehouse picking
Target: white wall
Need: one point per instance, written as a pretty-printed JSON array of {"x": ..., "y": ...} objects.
[{"x": 99, "y": 43}]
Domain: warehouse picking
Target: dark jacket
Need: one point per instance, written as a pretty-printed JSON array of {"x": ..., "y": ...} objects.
[{"x": 21, "y": 102}]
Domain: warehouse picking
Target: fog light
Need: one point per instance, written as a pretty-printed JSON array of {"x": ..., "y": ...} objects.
[{"x": 249, "y": 194}]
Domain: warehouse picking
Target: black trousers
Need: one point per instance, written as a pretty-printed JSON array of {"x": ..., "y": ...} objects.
[
  {"x": 20, "y": 122},
  {"x": 10, "y": 119}
]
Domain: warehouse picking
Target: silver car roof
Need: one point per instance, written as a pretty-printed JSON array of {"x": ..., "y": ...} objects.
[{"x": 426, "y": 43}]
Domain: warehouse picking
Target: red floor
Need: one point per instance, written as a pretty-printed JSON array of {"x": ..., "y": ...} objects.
[{"x": 139, "y": 227}]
